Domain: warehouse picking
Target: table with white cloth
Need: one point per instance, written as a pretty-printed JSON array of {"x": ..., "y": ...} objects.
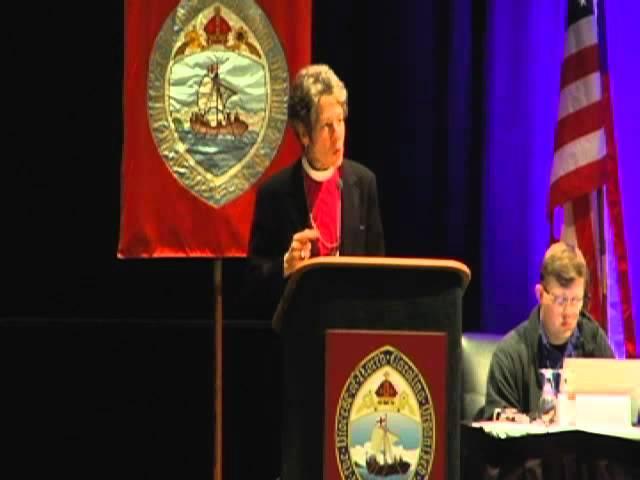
[{"x": 508, "y": 450}]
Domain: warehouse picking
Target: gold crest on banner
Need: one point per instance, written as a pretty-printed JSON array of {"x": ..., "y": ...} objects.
[{"x": 218, "y": 89}]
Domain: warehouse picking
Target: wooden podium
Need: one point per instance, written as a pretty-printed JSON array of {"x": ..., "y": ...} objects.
[{"x": 397, "y": 319}]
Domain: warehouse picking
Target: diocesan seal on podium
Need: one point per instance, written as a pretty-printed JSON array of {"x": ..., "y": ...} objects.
[{"x": 386, "y": 405}]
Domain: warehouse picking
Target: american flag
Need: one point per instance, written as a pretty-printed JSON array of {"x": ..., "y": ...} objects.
[{"x": 584, "y": 174}]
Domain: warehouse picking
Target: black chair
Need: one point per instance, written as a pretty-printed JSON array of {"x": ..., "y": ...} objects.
[{"x": 477, "y": 349}]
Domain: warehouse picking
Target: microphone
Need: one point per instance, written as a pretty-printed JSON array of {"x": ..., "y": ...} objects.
[{"x": 339, "y": 218}]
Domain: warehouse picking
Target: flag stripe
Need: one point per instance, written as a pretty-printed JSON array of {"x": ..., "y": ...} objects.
[
  {"x": 614, "y": 302},
  {"x": 580, "y": 64},
  {"x": 583, "y": 218},
  {"x": 578, "y": 183},
  {"x": 578, "y": 124},
  {"x": 614, "y": 203},
  {"x": 579, "y": 153},
  {"x": 580, "y": 35},
  {"x": 579, "y": 94}
]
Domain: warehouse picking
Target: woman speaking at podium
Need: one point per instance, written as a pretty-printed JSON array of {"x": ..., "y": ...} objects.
[{"x": 323, "y": 204}]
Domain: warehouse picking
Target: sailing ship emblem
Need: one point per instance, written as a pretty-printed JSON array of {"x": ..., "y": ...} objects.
[
  {"x": 382, "y": 443},
  {"x": 212, "y": 117},
  {"x": 385, "y": 423},
  {"x": 218, "y": 88}
]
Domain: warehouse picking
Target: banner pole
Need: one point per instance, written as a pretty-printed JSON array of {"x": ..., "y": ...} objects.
[{"x": 217, "y": 274}]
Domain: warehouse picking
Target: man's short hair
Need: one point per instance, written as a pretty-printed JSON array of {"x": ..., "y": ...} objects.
[
  {"x": 312, "y": 83},
  {"x": 564, "y": 263}
]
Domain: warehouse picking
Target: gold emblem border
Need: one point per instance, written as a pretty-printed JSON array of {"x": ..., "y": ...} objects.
[
  {"x": 215, "y": 190},
  {"x": 350, "y": 391}
]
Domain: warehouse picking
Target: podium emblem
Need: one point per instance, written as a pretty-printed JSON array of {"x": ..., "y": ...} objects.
[
  {"x": 217, "y": 96},
  {"x": 385, "y": 425}
]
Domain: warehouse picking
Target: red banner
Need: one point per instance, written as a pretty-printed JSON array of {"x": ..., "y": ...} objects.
[{"x": 160, "y": 217}]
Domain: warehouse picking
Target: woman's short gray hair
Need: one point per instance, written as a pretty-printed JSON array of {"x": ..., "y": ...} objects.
[{"x": 312, "y": 83}]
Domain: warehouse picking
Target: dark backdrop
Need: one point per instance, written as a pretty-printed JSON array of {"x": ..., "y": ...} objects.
[{"x": 111, "y": 361}]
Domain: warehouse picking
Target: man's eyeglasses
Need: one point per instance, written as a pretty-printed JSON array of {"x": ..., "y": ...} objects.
[{"x": 563, "y": 300}]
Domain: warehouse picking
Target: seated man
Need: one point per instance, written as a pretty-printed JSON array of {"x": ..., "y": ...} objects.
[{"x": 557, "y": 328}]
